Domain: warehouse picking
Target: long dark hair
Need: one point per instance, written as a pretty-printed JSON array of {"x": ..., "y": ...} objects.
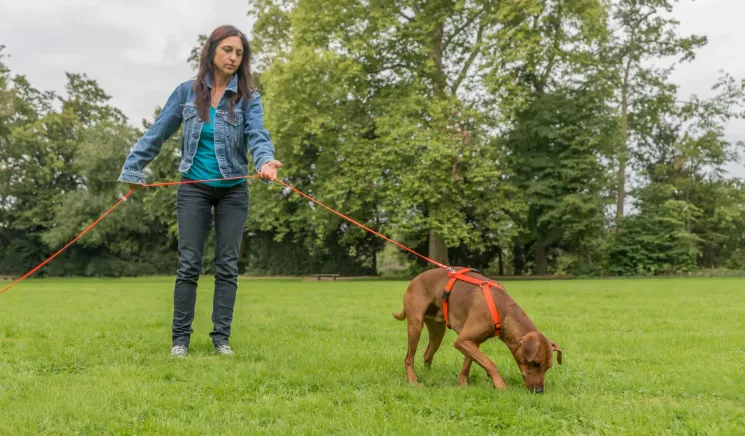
[{"x": 245, "y": 81}]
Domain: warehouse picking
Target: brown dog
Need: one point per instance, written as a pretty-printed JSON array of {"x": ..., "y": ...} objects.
[{"x": 469, "y": 316}]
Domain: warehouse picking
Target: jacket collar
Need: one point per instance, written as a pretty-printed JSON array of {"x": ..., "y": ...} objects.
[{"x": 232, "y": 86}]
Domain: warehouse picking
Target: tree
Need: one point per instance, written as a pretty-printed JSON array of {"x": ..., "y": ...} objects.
[
  {"x": 422, "y": 70},
  {"x": 550, "y": 85},
  {"x": 642, "y": 37},
  {"x": 6, "y": 98},
  {"x": 35, "y": 151},
  {"x": 690, "y": 213},
  {"x": 558, "y": 148}
]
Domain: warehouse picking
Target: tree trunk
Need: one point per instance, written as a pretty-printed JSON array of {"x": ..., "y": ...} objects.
[
  {"x": 518, "y": 265},
  {"x": 438, "y": 251},
  {"x": 501, "y": 262},
  {"x": 438, "y": 78},
  {"x": 374, "y": 259},
  {"x": 541, "y": 258},
  {"x": 622, "y": 151}
]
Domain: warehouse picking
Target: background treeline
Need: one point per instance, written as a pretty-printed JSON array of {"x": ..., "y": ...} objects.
[{"x": 516, "y": 136}]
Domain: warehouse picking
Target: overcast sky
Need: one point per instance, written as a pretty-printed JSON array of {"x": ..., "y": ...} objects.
[{"x": 137, "y": 49}]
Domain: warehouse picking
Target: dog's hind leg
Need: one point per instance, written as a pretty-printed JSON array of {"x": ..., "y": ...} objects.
[
  {"x": 437, "y": 332},
  {"x": 414, "y": 330}
]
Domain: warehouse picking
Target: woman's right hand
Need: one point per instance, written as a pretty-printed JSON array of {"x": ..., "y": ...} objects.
[{"x": 134, "y": 186}]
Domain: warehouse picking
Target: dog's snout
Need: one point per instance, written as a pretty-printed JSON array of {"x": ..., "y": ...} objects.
[{"x": 538, "y": 390}]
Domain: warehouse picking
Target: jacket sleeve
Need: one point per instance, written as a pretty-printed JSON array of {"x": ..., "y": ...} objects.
[
  {"x": 148, "y": 147},
  {"x": 259, "y": 140}
]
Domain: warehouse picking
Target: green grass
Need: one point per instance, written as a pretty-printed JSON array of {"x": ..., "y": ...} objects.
[{"x": 90, "y": 356}]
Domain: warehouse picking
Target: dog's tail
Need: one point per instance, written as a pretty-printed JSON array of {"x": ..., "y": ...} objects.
[{"x": 400, "y": 316}]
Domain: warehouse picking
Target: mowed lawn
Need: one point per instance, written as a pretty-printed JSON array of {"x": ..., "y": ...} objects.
[{"x": 90, "y": 356}]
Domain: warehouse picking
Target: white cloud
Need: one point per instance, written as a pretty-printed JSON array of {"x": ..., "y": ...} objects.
[
  {"x": 135, "y": 49},
  {"x": 720, "y": 21}
]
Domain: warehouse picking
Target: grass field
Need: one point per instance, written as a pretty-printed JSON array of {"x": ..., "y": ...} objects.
[{"x": 90, "y": 356}]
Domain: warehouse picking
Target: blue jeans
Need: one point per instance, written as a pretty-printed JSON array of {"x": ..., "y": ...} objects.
[{"x": 194, "y": 207}]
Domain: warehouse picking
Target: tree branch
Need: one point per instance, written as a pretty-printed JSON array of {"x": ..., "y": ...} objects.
[
  {"x": 556, "y": 46},
  {"x": 635, "y": 24},
  {"x": 474, "y": 53},
  {"x": 408, "y": 18},
  {"x": 460, "y": 29}
]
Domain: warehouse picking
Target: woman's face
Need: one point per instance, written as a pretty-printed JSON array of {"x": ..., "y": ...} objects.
[{"x": 228, "y": 55}]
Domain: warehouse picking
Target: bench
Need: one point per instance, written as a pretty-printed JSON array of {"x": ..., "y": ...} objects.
[{"x": 334, "y": 276}]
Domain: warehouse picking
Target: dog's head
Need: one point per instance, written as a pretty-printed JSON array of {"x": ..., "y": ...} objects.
[{"x": 535, "y": 356}]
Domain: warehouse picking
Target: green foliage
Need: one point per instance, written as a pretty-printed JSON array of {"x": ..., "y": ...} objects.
[
  {"x": 558, "y": 148},
  {"x": 689, "y": 214},
  {"x": 657, "y": 240}
]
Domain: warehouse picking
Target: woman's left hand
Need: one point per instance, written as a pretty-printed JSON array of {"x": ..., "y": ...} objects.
[{"x": 269, "y": 170}]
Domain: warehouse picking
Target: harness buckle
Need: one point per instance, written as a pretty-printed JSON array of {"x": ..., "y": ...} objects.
[
  {"x": 450, "y": 270},
  {"x": 445, "y": 296},
  {"x": 485, "y": 284}
]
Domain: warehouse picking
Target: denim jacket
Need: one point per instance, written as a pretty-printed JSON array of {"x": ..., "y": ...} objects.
[{"x": 233, "y": 138}]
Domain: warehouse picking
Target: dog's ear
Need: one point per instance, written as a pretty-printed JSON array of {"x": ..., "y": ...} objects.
[
  {"x": 558, "y": 351},
  {"x": 530, "y": 345}
]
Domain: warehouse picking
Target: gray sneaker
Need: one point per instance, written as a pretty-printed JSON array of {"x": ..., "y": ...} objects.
[
  {"x": 224, "y": 349},
  {"x": 179, "y": 351}
]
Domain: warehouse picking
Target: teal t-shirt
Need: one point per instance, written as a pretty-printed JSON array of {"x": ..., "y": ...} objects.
[{"x": 205, "y": 164}]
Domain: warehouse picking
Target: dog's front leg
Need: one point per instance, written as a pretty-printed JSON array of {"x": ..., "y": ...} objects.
[
  {"x": 463, "y": 376},
  {"x": 471, "y": 350},
  {"x": 468, "y": 343}
]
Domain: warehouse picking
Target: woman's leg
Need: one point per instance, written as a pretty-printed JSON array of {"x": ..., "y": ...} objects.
[
  {"x": 231, "y": 211},
  {"x": 193, "y": 210}
]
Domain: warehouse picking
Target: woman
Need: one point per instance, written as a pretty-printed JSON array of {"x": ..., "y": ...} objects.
[{"x": 222, "y": 118}]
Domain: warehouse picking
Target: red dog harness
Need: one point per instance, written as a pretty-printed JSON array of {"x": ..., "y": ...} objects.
[{"x": 485, "y": 286}]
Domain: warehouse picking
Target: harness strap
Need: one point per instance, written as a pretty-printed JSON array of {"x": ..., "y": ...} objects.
[
  {"x": 446, "y": 294},
  {"x": 485, "y": 287}
]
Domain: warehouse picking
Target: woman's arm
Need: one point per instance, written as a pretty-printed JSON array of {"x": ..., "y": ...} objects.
[
  {"x": 148, "y": 147},
  {"x": 259, "y": 141}
]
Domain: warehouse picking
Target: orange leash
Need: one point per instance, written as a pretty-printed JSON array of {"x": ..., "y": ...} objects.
[
  {"x": 38, "y": 267},
  {"x": 362, "y": 225},
  {"x": 454, "y": 275},
  {"x": 121, "y": 200}
]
